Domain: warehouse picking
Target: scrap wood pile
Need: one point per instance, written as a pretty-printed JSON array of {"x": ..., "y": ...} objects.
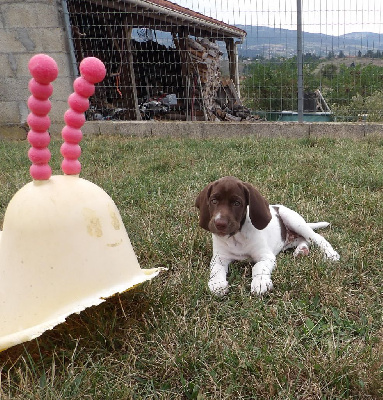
[
  {"x": 218, "y": 95},
  {"x": 205, "y": 58},
  {"x": 187, "y": 84}
]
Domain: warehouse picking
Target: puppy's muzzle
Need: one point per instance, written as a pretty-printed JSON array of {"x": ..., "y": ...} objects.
[{"x": 222, "y": 225}]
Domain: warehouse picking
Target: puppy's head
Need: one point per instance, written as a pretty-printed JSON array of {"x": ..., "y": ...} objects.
[{"x": 223, "y": 206}]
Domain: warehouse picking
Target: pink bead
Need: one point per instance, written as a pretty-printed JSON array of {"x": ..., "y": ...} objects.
[
  {"x": 83, "y": 87},
  {"x": 38, "y": 123},
  {"x": 39, "y": 90},
  {"x": 40, "y": 172},
  {"x": 43, "y": 68},
  {"x": 39, "y": 156},
  {"x": 71, "y": 135},
  {"x": 92, "y": 69},
  {"x": 74, "y": 119},
  {"x": 39, "y": 107},
  {"x": 70, "y": 151},
  {"x": 78, "y": 103},
  {"x": 71, "y": 167},
  {"x": 39, "y": 139}
]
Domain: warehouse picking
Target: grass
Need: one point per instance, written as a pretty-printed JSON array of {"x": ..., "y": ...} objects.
[{"x": 318, "y": 335}]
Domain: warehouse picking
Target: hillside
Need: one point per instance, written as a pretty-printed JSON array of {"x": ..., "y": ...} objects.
[{"x": 268, "y": 42}]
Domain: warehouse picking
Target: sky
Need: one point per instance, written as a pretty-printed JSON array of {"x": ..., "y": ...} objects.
[{"x": 330, "y": 17}]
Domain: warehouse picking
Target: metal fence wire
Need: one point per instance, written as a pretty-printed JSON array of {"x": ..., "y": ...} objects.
[{"x": 232, "y": 60}]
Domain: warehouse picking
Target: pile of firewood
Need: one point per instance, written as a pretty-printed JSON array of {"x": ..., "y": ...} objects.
[
  {"x": 206, "y": 57},
  {"x": 219, "y": 96}
]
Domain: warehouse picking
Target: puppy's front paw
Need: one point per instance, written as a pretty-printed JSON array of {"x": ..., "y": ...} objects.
[
  {"x": 219, "y": 288},
  {"x": 328, "y": 250},
  {"x": 332, "y": 255},
  {"x": 261, "y": 284}
]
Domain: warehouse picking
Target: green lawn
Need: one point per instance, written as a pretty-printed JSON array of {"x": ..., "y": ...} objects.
[{"x": 318, "y": 335}]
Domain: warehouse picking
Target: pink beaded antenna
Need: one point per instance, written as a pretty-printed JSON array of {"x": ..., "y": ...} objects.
[
  {"x": 44, "y": 70},
  {"x": 92, "y": 71}
]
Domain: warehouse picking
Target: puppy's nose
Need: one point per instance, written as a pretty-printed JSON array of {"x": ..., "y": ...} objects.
[{"x": 221, "y": 223}]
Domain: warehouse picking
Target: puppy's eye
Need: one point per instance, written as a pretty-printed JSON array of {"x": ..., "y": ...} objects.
[
  {"x": 213, "y": 201},
  {"x": 237, "y": 203}
]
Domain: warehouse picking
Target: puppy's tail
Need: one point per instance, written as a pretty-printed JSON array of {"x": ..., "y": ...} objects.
[{"x": 318, "y": 225}]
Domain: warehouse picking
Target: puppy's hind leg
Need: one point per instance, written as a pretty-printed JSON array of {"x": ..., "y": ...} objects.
[{"x": 297, "y": 224}]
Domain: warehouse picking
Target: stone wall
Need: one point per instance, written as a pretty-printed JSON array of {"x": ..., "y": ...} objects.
[{"x": 29, "y": 27}]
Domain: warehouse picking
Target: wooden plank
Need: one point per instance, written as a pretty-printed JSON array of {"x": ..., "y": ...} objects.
[{"x": 133, "y": 98}]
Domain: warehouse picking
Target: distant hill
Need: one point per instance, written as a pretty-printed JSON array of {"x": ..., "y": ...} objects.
[{"x": 269, "y": 42}]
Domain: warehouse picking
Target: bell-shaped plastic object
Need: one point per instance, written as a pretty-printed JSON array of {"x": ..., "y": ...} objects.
[{"x": 63, "y": 246}]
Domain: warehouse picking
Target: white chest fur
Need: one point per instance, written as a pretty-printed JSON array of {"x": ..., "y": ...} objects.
[{"x": 251, "y": 243}]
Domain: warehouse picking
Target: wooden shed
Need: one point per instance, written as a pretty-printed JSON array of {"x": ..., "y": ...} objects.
[{"x": 163, "y": 60}]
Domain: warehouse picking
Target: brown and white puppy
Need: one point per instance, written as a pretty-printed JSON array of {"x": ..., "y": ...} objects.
[{"x": 244, "y": 226}]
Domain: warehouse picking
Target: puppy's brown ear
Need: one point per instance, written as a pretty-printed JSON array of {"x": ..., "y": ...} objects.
[
  {"x": 259, "y": 211},
  {"x": 202, "y": 203}
]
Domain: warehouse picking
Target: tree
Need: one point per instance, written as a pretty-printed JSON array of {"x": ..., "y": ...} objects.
[
  {"x": 369, "y": 54},
  {"x": 328, "y": 71},
  {"x": 309, "y": 57}
]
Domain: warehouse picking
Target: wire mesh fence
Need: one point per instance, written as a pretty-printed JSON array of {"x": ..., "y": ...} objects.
[{"x": 232, "y": 60}]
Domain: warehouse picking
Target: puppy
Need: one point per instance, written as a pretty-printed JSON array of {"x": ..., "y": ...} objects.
[{"x": 244, "y": 226}]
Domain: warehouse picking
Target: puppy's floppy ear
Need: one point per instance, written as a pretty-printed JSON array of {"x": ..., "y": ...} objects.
[
  {"x": 259, "y": 211},
  {"x": 202, "y": 203}
]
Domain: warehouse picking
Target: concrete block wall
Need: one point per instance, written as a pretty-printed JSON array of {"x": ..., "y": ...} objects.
[
  {"x": 202, "y": 130},
  {"x": 29, "y": 27}
]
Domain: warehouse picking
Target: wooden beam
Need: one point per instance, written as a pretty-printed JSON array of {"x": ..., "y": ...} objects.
[
  {"x": 232, "y": 53},
  {"x": 181, "y": 46},
  {"x": 125, "y": 83},
  {"x": 130, "y": 67}
]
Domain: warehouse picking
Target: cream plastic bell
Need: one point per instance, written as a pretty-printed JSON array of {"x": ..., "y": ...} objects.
[{"x": 64, "y": 246}]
